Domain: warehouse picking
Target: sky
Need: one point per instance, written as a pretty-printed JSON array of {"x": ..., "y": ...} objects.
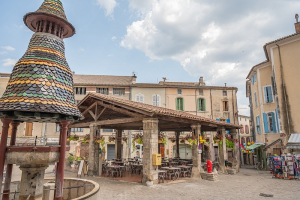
[{"x": 177, "y": 39}]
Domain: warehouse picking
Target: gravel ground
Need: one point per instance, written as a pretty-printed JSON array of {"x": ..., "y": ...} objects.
[{"x": 247, "y": 184}]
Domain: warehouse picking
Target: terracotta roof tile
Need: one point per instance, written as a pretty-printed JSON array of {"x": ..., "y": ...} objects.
[
  {"x": 156, "y": 110},
  {"x": 101, "y": 80}
]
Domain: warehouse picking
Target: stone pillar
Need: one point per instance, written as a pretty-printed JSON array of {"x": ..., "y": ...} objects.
[
  {"x": 32, "y": 181},
  {"x": 196, "y": 129},
  {"x": 91, "y": 159},
  {"x": 59, "y": 182},
  {"x": 177, "y": 144},
  {"x": 222, "y": 150},
  {"x": 236, "y": 150},
  {"x": 150, "y": 143},
  {"x": 9, "y": 167},
  {"x": 68, "y": 143},
  {"x": 119, "y": 143},
  {"x": 3, "y": 144}
]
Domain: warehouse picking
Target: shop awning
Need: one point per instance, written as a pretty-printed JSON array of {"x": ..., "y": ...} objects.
[
  {"x": 294, "y": 141},
  {"x": 254, "y": 146},
  {"x": 273, "y": 143}
]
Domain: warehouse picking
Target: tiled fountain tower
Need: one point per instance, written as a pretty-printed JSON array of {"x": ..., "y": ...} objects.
[{"x": 40, "y": 89}]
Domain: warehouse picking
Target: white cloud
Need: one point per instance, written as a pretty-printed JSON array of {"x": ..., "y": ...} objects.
[
  {"x": 2, "y": 52},
  {"x": 8, "y": 48},
  {"x": 220, "y": 41},
  {"x": 113, "y": 38},
  {"x": 108, "y": 5},
  {"x": 8, "y": 62},
  {"x": 81, "y": 49}
]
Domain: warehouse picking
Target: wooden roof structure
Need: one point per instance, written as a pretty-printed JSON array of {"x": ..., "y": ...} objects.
[{"x": 115, "y": 113}]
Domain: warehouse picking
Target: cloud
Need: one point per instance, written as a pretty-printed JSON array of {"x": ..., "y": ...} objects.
[
  {"x": 2, "y": 52},
  {"x": 81, "y": 49},
  {"x": 8, "y": 48},
  {"x": 108, "y": 5},
  {"x": 220, "y": 40},
  {"x": 8, "y": 62},
  {"x": 113, "y": 38}
]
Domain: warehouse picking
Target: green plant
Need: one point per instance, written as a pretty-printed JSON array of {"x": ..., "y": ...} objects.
[
  {"x": 71, "y": 158},
  {"x": 79, "y": 159},
  {"x": 133, "y": 145},
  {"x": 192, "y": 142},
  {"x": 164, "y": 141}
]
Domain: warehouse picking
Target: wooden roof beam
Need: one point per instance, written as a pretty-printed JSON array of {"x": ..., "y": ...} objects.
[{"x": 106, "y": 122}]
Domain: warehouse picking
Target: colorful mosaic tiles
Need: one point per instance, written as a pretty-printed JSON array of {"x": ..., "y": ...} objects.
[
  {"x": 41, "y": 80},
  {"x": 53, "y": 7}
]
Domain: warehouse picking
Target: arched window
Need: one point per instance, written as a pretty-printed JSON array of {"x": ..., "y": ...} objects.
[
  {"x": 180, "y": 104},
  {"x": 248, "y": 140},
  {"x": 243, "y": 140},
  {"x": 247, "y": 129},
  {"x": 242, "y": 129}
]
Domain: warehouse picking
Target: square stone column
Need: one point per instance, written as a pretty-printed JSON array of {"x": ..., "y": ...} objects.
[
  {"x": 196, "y": 129},
  {"x": 236, "y": 150},
  {"x": 150, "y": 143},
  {"x": 177, "y": 133},
  {"x": 222, "y": 150},
  {"x": 91, "y": 159}
]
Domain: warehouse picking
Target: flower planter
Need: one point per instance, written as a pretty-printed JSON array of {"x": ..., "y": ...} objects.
[{"x": 159, "y": 141}]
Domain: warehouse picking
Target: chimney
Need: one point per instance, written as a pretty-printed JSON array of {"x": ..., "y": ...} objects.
[
  {"x": 134, "y": 78},
  {"x": 201, "y": 82},
  {"x": 297, "y": 24}
]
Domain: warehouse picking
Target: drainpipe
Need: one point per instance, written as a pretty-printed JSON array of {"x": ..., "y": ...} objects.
[
  {"x": 196, "y": 102},
  {"x": 211, "y": 107},
  {"x": 129, "y": 131},
  {"x": 284, "y": 91}
]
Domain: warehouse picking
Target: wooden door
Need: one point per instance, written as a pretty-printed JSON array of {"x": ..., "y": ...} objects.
[
  {"x": 29, "y": 127},
  {"x": 162, "y": 151}
]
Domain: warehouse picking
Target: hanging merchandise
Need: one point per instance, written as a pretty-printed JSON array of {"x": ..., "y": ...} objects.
[{"x": 284, "y": 166}]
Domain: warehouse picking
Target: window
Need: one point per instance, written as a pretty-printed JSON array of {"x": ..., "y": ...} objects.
[
  {"x": 29, "y": 128},
  {"x": 252, "y": 80},
  {"x": 201, "y": 105},
  {"x": 242, "y": 129},
  {"x": 180, "y": 104},
  {"x": 76, "y": 129},
  {"x": 257, "y": 119},
  {"x": 155, "y": 100},
  {"x": 139, "y": 98},
  {"x": 80, "y": 90},
  {"x": 247, "y": 129},
  {"x": 179, "y": 91},
  {"x": 119, "y": 91},
  {"x": 254, "y": 77},
  {"x": 57, "y": 128},
  {"x": 102, "y": 90},
  {"x": 108, "y": 130},
  {"x": 200, "y": 91},
  {"x": 255, "y": 97},
  {"x": 225, "y": 106},
  {"x": 224, "y": 93},
  {"x": 269, "y": 122},
  {"x": 268, "y": 94}
]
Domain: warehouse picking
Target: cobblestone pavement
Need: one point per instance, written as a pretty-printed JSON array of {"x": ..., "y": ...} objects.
[{"x": 247, "y": 184}]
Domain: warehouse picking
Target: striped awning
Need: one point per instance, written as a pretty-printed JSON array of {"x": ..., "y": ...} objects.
[
  {"x": 273, "y": 143},
  {"x": 294, "y": 141}
]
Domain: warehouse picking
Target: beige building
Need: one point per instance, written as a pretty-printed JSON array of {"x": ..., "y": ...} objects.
[
  {"x": 246, "y": 136},
  {"x": 273, "y": 90}
]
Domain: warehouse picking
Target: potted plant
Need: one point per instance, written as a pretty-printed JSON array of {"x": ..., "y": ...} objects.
[
  {"x": 71, "y": 158},
  {"x": 86, "y": 139},
  {"x": 192, "y": 140},
  {"x": 111, "y": 138},
  {"x": 124, "y": 139},
  {"x": 163, "y": 138},
  {"x": 100, "y": 139},
  {"x": 136, "y": 138}
]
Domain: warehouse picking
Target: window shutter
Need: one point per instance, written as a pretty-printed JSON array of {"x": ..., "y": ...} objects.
[
  {"x": 142, "y": 98},
  {"x": 265, "y": 119},
  {"x": 137, "y": 98},
  {"x": 270, "y": 94},
  {"x": 228, "y": 120},
  {"x": 182, "y": 104},
  {"x": 157, "y": 100},
  {"x": 259, "y": 123},
  {"x": 273, "y": 122},
  {"x": 252, "y": 80},
  {"x": 218, "y": 119},
  {"x": 154, "y": 100},
  {"x": 204, "y": 105},
  {"x": 198, "y": 104},
  {"x": 177, "y": 104},
  {"x": 266, "y": 94},
  {"x": 277, "y": 120},
  {"x": 255, "y": 96}
]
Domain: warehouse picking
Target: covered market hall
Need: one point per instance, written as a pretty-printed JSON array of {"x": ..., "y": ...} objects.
[{"x": 107, "y": 112}]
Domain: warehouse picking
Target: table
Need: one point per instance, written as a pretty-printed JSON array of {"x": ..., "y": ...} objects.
[
  {"x": 116, "y": 168},
  {"x": 119, "y": 163},
  {"x": 175, "y": 169}
]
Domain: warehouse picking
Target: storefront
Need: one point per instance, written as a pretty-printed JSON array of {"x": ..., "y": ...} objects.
[{"x": 185, "y": 151}]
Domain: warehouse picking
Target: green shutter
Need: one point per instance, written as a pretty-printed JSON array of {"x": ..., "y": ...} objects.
[
  {"x": 177, "y": 106},
  {"x": 204, "y": 105},
  {"x": 198, "y": 104},
  {"x": 182, "y": 104}
]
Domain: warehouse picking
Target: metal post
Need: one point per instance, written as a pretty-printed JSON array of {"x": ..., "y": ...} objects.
[
  {"x": 3, "y": 144},
  {"x": 177, "y": 144},
  {"x": 9, "y": 168},
  {"x": 61, "y": 167}
]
